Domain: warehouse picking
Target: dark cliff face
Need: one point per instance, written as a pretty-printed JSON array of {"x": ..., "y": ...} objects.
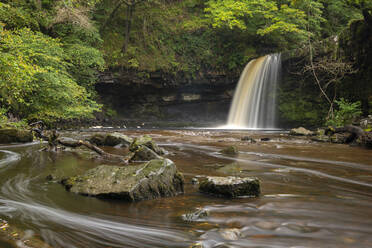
[{"x": 159, "y": 97}]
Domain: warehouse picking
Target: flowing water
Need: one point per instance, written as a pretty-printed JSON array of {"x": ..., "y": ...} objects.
[
  {"x": 254, "y": 102},
  {"x": 313, "y": 195}
]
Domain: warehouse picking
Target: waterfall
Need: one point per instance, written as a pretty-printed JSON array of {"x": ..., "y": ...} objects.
[{"x": 254, "y": 102}]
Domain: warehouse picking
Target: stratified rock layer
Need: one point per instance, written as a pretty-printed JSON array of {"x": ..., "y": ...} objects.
[
  {"x": 13, "y": 135},
  {"x": 230, "y": 187},
  {"x": 156, "y": 178}
]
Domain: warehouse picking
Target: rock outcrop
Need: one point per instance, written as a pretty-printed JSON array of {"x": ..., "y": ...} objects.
[
  {"x": 230, "y": 187},
  {"x": 156, "y": 178},
  {"x": 13, "y": 135}
]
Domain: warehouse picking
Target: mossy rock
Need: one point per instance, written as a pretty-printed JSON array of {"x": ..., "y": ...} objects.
[
  {"x": 230, "y": 187},
  {"x": 231, "y": 150},
  {"x": 143, "y": 153},
  {"x": 156, "y": 178},
  {"x": 110, "y": 139},
  {"x": 148, "y": 142},
  {"x": 13, "y": 135}
]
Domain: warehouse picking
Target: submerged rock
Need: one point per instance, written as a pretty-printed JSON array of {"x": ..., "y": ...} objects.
[
  {"x": 230, "y": 186},
  {"x": 156, "y": 178},
  {"x": 231, "y": 150},
  {"x": 230, "y": 233},
  {"x": 248, "y": 139},
  {"x": 301, "y": 131},
  {"x": 13, "y": 135},
  {"x": 196, "y": 216}
]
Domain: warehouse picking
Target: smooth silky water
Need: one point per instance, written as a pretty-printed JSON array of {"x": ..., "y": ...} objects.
[
  {"x": 254, "y": 101},
  {"x": 313, "y": 195}
]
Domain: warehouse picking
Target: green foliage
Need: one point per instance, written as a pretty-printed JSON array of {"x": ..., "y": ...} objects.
[
  {"x": 35, "y": 83},
  {"x": 298, "y": 107},
  {"x": 345, "y": 113},
  {"x": 5, "y": 123},
  {"x": 265, "y": 17},
  {"x": 16, "y": 17}
]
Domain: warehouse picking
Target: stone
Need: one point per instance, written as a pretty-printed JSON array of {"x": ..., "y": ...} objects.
[
  {"x": 230, "y": 233},
  {"x": 113, "y": 139},
  {"x": 340, "y": 138},
  {"x": 97, "y": 139},
  {"x": 148, "y": 142},
  {"x": 110, "y": 139},
  {"x": 156, "y": 178},
  {"x": 143, "y": 153},
  {"x": 301, "y": 131},
  {"x": 13, "y": 135},
  {"x": 230, "y": 187},
  {"x": 196, "y": 216},
  {"x": 231, "y": 150},
  {"x": 366, "y": 123},
  {"x": 190, "y": 97},
  {"x": 248, "y": 139},
  {"x": 194, "y": 181}
]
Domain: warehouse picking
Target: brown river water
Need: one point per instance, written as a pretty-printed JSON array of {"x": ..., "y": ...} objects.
[{"x": 313, "y": 195}]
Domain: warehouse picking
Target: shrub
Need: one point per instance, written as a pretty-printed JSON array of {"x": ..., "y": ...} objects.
[{"x": 345, "y": 113}]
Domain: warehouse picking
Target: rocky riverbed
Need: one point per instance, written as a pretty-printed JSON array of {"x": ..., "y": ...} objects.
[{"x": 309, "y": 189}]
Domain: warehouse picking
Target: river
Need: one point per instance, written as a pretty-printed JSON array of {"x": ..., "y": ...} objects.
[{"x": 313, "y": 195}]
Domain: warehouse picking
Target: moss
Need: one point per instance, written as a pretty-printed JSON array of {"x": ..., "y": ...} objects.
[
  {"x": 231, "y": 150},
  {"x": 15, "y": 136}
]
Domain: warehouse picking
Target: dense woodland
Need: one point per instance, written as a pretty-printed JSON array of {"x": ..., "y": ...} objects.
[{"x": 52, "y": 51}]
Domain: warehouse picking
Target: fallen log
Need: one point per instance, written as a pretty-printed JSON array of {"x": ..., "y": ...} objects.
[
  {"x": 53, "y": 140},
  {"x": 99, "y": 151},
  {"x": 357, "y": 134}
]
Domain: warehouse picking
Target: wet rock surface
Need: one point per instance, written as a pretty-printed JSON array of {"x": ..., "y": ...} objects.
[
  {"x": 148, "y": 142},
  {"x": 231, "y": 150},
  {"x": 143, "y": 153},
  {"x": 13, "y": 135},
  {"x": 301, "y": 131},
  {"x": 196, "y": 216},
  {"x": 110, "y": 139},
  {"x": 156, "y": 178},
  {"x": 230, "y": 187}
]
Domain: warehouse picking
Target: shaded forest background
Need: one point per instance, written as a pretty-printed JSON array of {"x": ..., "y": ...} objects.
[{"x": 52, "y": 52}]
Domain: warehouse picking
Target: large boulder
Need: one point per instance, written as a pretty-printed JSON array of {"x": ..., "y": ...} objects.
[
  {"x": 230, "y": 187},
  {"x": 13, "y": 135},
  {"x": 110, "y": 139},
  {"x": 301, "y": 131},
  {"x": 156, "y": 178}
]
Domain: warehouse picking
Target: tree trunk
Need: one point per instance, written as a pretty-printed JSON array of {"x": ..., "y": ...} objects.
[
  {"x": 112, "y": 15},
  {"x": 367, "y": 16},
  {"x": 356, "y": 133},
  {"x": 128, "y": 23}
]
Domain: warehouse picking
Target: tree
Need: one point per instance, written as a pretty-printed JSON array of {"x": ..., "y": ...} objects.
[
  {"x": 266, "y": 17},
  {"x": 130, "y": 8},
  {"x": 366, "y": 8},
  {"x": 34, "y": 79}
]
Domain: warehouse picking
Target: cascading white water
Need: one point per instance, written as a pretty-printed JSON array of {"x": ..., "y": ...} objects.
[{"x": 254, "y": 102}]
